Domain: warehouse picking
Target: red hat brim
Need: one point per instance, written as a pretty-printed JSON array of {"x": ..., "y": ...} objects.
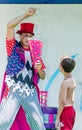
[{"x": 23, "y": 31}]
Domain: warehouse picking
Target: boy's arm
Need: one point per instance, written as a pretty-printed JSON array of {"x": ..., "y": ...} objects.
[
  {"x": 73, "y": 98},
  {"x": 62, "y": 101}
]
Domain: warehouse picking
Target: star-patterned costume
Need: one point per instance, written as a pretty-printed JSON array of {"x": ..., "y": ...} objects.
[{"x": 20, "y": 81}]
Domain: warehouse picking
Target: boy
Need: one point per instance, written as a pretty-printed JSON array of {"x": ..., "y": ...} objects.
[{"x": 66, "y": 112}]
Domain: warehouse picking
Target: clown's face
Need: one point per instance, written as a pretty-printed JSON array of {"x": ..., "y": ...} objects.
[{"x": 24, "y": 37}]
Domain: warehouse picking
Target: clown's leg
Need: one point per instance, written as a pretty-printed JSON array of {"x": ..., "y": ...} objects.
[
  {"x": 33, "y": 111},
  {"x": 8, "y": 110}
]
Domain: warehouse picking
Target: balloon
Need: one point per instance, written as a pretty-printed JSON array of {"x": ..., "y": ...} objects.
[{"x": 53, "y": 76}]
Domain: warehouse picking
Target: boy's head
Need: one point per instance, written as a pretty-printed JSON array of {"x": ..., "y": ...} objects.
[{"x": 68, "y": 64}]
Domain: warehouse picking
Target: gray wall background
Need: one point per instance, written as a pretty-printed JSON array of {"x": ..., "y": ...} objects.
[{"x": 60, "y": 28}]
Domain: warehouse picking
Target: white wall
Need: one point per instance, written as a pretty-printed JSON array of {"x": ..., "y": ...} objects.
[{"x": 60, "y": 27}]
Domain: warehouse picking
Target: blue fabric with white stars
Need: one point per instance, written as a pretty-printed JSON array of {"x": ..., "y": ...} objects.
[{"x": 15, "y": 63}]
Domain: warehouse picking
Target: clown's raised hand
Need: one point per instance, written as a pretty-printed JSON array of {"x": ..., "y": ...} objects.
[{"x": 31, "y": 11}]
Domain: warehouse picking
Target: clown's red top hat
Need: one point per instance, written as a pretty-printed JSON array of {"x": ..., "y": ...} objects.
[{"x": 26, "y": 28}]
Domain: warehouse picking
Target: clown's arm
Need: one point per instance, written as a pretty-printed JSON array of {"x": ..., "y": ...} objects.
[
  {"x": 10, "y": 36},
  {"x": 13, "y": 23},
  {"x": 41, "y": 72}
]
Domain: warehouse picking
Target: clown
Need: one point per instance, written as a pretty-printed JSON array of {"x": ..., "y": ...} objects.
[{"x": 19, "y": 98}]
